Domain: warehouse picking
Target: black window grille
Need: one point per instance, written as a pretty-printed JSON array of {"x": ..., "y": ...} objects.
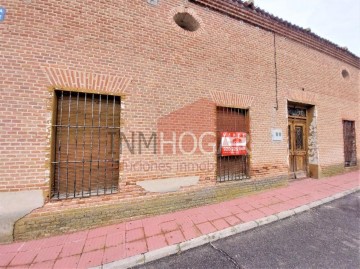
[
  {"x": 297, "y": 112},
  {"x": 87, "y": 145},
  {"x": 231, "y": 167},
  {"x": 349, "y": 143},
  {"x": 299, "y": 137}
]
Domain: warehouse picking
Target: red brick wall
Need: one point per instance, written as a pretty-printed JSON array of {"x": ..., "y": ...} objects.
[{"x": 133, "y": 49}]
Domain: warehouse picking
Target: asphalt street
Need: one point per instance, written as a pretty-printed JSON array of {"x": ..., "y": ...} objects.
[{"x": 324, "y": 237}]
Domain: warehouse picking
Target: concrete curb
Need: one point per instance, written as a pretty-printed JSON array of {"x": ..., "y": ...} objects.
[{"x": 202, "y": 240}]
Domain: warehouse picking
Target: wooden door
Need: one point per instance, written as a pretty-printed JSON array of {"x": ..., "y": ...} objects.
[
  {"x": 349, "y": 143},
  {"x": 297, "y": 147}
]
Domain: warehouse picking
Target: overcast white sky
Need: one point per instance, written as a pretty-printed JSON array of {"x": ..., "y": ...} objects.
[{"x": 335, "y": 20}]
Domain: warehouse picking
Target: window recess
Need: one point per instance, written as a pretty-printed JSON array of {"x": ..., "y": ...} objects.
[{"x": 86, "y": 145}]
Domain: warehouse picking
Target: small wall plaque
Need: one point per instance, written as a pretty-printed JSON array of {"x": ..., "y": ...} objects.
[{"x": 276, "y": 134}]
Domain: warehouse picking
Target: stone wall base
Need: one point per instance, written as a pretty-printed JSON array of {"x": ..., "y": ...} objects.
[
  {"x": 34, "y": 226},
  {"x": 336, "y": 169}
]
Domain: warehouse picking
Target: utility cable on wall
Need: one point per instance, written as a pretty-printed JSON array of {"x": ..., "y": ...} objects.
[{"x": 276, "y": 75}]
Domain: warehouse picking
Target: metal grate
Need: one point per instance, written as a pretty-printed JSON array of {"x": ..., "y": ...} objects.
[
  {"x": 349, "y": 143},
  {"x": 231, "y": 167},
  {"x": 87, "y": 143},
  {"x": 297, "y": 112},
  {"x": 299, "y": 137}
]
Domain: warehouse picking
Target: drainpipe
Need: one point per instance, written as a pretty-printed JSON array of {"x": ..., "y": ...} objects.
[{"x": 276, "y": 75}]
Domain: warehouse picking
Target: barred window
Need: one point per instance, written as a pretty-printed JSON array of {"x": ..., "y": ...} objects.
[
  {"x": 87, "y": 144},
  {"x": 231, "y": 167}
]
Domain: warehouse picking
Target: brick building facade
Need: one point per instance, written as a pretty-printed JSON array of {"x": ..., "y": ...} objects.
[{"x": 172, "y": 65}]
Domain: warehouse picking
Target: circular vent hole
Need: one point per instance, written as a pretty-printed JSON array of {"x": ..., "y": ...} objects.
[
  {"x": 345, "y": 74},
  {"x": 186, "y": 21}
]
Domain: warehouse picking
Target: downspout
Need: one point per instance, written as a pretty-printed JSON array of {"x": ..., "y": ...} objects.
[{"x": 276, "y": 75}]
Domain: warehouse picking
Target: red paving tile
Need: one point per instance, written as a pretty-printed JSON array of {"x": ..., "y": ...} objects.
[
  {"x": 155, "y": 242},
  {"x": 22, "y": 258},
  {"x": 94, "y": 243},
  {"x": 32, "y": 245},
  {"x": 220, "y": 224},
  {"x": 211, "y": 215},
  {"x": 245, "y": 207},
  {"x": 235, "y": 210},
  {"x": 47, "y": 254},
  {"x": 166, "y": 217},
  {"x": 67, "y": 262},
  {"x": 223, "y": 212},
  {"x": 72, "y": 248},
  {"x": 79, "y": 236},
  {"x": 267, "y": 210},
  {"x": 6, "y": 258},
  {"x": 18, "y": 267},
  {"x": 135, "y": 248},
  {"x": 90, "y": 259},
  {"x": 197, "y": 218},
  {"x": 56, "y": 240},
  {"x": 114, "y": 242},
  {"x": 191, "y": 232},
  {"x": 280, "y": 207},
  {"x": 185, "y": 222},
  {"x": 134, "y": 224},
  {"x": 256, "y": 204},
  {"x": 135, "y": 234},
  {"x": 174, "y": 237},
  {"x": 257, "y": 214},
  {"x": 114, "y": 254},
  {"x": 97, "y": 232},
  {"x": 151, "y": 229},
  {"x": 117, "y": 228},
  {"x": 10, "y": 248},
  {"x": 115, "y": 239},
  {"x": 169, "y": 226},
  {"x": 232, "y": 220},
  {"x": 43, "y": 265},
  {"x": 245, "y": 217},
  {"x": 206, "y": 228}
]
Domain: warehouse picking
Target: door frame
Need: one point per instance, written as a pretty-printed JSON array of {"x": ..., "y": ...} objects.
[{"x": 301, "y": 120}]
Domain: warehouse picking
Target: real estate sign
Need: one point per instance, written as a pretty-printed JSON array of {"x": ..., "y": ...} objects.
[{"x": 233, "y": 143}]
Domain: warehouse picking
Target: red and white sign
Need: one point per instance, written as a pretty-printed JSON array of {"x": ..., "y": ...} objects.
[{"x": 233, "y": 143}]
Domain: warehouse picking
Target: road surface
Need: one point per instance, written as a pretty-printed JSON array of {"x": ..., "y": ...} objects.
[{"x": 324, "y": 237}]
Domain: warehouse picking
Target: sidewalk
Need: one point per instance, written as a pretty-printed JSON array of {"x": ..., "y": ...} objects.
[{"x": 135, "y": 242}]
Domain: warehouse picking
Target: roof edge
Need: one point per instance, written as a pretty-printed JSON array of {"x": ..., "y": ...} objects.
[{"x": 258, "y": 17}]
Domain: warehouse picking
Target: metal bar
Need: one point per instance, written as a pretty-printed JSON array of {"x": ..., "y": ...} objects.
[
  {"x": 247, "y": 129},
  {"x": 91, "y": 141},
  {"x": 59, "y": 145},
  {"x": 119, "y": 146},
  {"x": 99, "y": 122},
  {"x": 219, "y": 172},
  {"x": 83, "y": 155},
  {"x": 106, "y": 136},
  {"x": 228, "y": 158},
  {"x": 224, "y": 158},
  {"x": 237, "y": 160},
  {"x": 112, "y": 144},
  {"x": 76, "y": 141},
  {"x": 85, "y": 126},
  {"x": 67, "y": 150},
  {"x": 86, "y": 161}
]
